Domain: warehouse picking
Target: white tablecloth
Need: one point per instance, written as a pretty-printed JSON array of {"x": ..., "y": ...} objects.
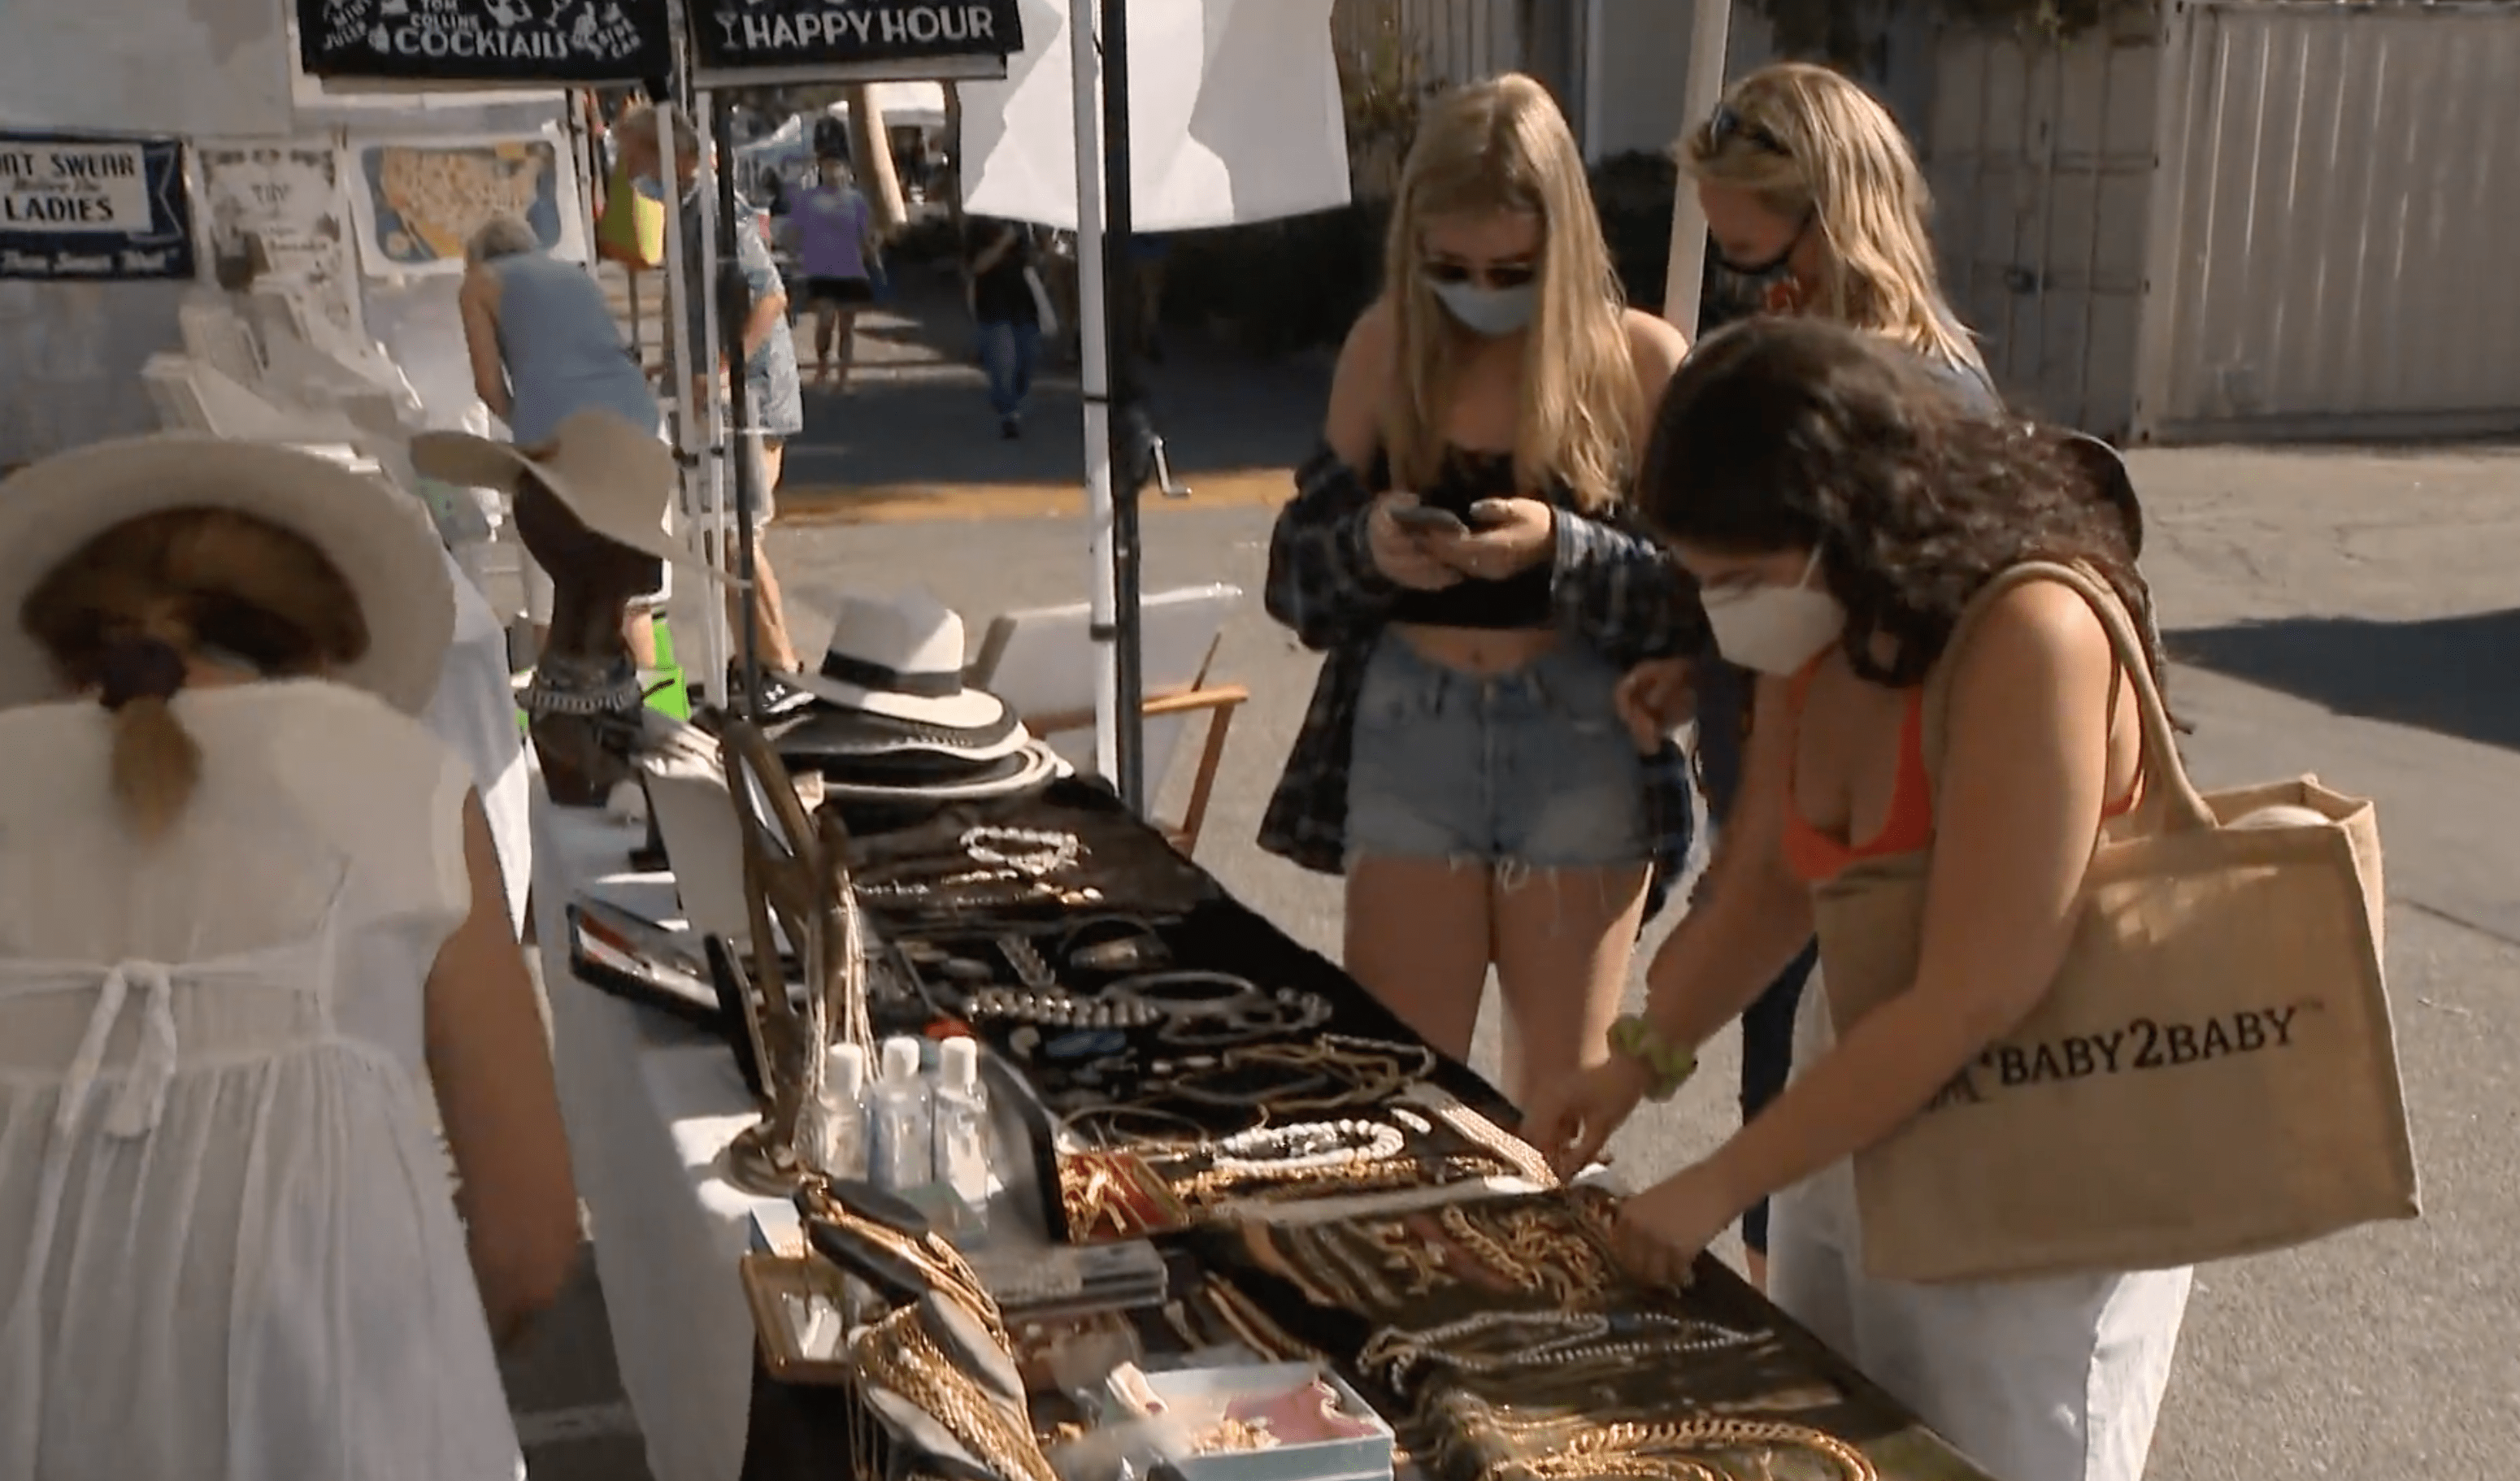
[
  {"x": 475, "y": 711},
  {"x": 650, "y": 1105}
]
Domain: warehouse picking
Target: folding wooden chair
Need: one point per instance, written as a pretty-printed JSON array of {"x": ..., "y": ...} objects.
[{"x": 1042, "y": 662}]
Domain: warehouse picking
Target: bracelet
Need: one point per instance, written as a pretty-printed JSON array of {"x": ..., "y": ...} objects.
[{"x": 1668, "y": 1064}]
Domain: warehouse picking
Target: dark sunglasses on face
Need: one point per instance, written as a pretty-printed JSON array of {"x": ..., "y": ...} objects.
[
  {"x": 1493, "y": 275},
  {"x": 1727, "y": 125}
]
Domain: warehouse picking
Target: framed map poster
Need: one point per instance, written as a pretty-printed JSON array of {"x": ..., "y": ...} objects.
[{"x": 421, "y": 199}]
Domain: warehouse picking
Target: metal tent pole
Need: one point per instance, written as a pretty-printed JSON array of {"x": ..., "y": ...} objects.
[
  {"x": 1095, "y": 375},
  {"x": 730, "y": 294},
  {"x": 1119, "y": 319},
  {"x": 1700, "y": 91}
]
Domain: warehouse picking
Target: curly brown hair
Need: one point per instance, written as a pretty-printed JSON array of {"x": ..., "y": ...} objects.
[{"x": 1799, "y": 433}]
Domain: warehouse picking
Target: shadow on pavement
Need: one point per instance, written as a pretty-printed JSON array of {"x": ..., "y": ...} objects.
[
  {"x": 917, "y": 424},
  {"x": 2450, "y": 675}
]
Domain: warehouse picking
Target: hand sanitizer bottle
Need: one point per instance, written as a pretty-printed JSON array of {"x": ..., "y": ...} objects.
[
  {"x": 961, "y": 1115},
  {"x": 837, "y": 1143},
  {"x": 903, "y": 1155}
]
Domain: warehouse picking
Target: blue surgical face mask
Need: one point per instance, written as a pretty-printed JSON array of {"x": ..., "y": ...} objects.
[{"x": 1492, "y": 312}]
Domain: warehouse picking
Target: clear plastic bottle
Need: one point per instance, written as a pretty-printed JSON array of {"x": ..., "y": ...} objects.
[
  {"x": 962, "y": 1119},
  {"x": 902, "y": 1154},
  {"x": 837, "y": 1125}
]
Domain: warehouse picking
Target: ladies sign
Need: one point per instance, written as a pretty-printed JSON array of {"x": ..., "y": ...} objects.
[
  {"x": 865, "y": 38},
  {"x": 494, "y": 42},
  {"x": 74, "y": 206}
]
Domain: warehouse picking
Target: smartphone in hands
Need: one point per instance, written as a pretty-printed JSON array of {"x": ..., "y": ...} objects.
[
  {"x": 1488, "y": 514},
  {"x": 1422, "y": 520}
]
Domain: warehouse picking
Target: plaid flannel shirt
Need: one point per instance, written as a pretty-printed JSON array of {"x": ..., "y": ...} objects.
[{"x": 1612, "y": 586}]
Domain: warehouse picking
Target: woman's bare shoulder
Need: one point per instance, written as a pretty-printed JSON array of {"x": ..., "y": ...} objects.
[
  {"x": 2036, "y": 638},
  {"x": 1655, "y": 341},
  {"x": 1360, "y": 386}
]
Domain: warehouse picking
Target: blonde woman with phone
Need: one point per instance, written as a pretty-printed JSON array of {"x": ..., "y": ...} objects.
[{"x": 1460, "y": 551}]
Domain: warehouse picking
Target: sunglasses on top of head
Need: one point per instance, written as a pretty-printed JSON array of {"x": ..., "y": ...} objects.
[
  {"x": 1727, "y": 125},
  {"x": 1489, "y": 275}
]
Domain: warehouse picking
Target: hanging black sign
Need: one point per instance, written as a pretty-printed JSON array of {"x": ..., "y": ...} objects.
[
  {"x": 495, "y": 42},
  {"x": 910, "y": 38},
  {"x": 81, "y": 208}
]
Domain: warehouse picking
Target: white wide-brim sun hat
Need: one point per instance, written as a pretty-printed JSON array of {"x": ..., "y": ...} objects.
[
  {"x": 616, "y": 479},
  {"x": 379, "y": 538}
]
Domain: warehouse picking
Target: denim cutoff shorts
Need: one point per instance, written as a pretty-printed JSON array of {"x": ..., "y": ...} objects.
[{"x": 1529, "y": 768}]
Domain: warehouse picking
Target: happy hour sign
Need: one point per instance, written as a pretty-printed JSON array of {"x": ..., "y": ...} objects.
[
  {"x": 736, "y": 35},
  {"x": 84, "y": 208}
]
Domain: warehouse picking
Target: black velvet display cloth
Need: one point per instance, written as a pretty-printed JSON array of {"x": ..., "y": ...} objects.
[{"x": 1497, "y": 1334}]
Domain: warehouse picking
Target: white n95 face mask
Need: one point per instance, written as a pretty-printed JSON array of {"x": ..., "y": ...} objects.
[{"x": 1774, "y": 629}]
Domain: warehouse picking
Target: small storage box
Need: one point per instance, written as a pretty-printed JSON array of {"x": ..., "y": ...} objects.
[{"x": 1191, "y": 1392}]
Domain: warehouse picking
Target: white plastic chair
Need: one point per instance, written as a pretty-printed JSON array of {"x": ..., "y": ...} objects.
[{"x": 1042, "y": 662}]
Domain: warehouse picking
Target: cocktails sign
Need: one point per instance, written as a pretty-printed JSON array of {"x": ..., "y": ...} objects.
[{"x": 491, "y": 42}]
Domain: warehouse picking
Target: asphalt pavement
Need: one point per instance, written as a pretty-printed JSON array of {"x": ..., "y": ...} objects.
[{"x": 2347, "y": 613}]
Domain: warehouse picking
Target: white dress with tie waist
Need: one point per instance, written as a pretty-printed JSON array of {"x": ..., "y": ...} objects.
[{"x": 228, "y": 1245}]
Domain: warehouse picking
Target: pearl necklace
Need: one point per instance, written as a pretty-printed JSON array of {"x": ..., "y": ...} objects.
[
  {"x": 1030, "y": 850},
  {"x": 1285, "y": 1151}
]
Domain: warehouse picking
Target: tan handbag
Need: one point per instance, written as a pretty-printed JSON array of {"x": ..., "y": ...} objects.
[{"x": 2213, "y": 1072}]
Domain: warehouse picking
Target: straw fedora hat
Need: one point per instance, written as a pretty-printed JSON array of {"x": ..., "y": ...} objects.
[
  {"x": 377, "y": 537},
  {"x": 617, "y": 478},
  {"x": 901, "y": 658}
]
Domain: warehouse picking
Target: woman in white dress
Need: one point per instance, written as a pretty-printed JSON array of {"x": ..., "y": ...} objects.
[{"x": 250, "y": 912}]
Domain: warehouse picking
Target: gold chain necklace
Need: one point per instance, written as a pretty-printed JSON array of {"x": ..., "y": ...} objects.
[
  {"x": 899, "y": 1355},
  {"x": 1657, "y": 1451},
  {"x": 1534, "y": 1255}
]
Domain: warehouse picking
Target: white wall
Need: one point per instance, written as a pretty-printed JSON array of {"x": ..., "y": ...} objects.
[
  {"x": 1637, "y": 64},
  {"x": 71, "y": 353}
]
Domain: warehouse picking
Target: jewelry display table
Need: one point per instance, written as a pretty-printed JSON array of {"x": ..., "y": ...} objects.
[{"x": 1455, "y": 1305}]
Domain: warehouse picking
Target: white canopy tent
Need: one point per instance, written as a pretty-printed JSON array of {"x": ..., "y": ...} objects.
[{"x": 1233, "y": 116}]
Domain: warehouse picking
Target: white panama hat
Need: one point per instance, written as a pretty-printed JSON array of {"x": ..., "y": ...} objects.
[
  {"x": 901, "y": 658},
  {"x": 379, "y": 538}
]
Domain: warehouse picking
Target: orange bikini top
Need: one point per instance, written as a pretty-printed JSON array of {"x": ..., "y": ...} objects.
[{"x": 1817, "y": 856}]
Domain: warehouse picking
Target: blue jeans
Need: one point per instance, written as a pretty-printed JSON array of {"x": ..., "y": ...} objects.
[
  {"x": 1529, "y": 769},
  {"x": 1723, "y": 694},
  {"x": 1008, "y": 352}
]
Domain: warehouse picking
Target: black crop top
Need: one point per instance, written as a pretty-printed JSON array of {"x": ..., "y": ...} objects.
[{"x": 1516, "y": 602}]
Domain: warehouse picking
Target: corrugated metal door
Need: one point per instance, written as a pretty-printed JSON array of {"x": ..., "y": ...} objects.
[
  {"x": 1455, "y": 40},
  {"x": 2041, "y": 158},
  {"x": 2347, "y": 187}
]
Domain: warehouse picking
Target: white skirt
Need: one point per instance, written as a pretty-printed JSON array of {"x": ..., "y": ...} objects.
[{"x": 2056, "y": 1380}]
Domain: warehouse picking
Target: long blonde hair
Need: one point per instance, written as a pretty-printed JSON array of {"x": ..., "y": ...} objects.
[
  {"x": 1503, "y": 146},
  {"x": 188, "y": 578},
  {"x": 1810, "y": 144}
]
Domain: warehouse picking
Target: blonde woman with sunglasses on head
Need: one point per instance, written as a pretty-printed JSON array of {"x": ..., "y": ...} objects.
[
  {"x": 1812, "y": 194},
  {"x": 1460, "y": 551}
]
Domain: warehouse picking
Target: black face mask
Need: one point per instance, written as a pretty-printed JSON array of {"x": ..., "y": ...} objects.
[{"x": 1774, "y": 266}]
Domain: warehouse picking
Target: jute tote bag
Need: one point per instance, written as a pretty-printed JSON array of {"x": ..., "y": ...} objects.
[{"x": 2213, "y": 1072}]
